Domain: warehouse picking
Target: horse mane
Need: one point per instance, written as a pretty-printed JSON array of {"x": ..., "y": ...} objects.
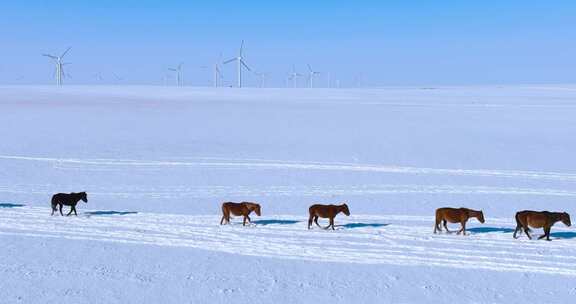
[
  {"x": 557, "y": 216},
  {"x": 472, "y": 212}
]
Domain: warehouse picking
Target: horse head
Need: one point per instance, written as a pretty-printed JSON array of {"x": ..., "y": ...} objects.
[
  {"x": 480, "y": 216},
  {"x": 565, "y": 218},
  {"x": 254, "y": 207},
  {"x": 84, "y": 197},
  {"x": 344, "y": 209}
]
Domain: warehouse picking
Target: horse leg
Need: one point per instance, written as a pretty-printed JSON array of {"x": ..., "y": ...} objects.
[
  {"x": 74, "y": 208},
  {"x": 316, "y": 221},
  {"x": 249, "y": 220},
  {"x": 546, "y": 234},
  {"x": 60, "y": 208},
  {"x": 516, "y": 231},
  {"x": 71, "y": 209},
  {"x": 526, "y": 231},
  {"x": 53, "y": 209},
  {"x": 310, "y": 219},
  {"x": 444, "y": 222},
  {"x": 332, "y": 223},
  {"x": 463, "y": 229},
  {"x": 225, "y": 220},
  {"x": 436, "y": 226}
]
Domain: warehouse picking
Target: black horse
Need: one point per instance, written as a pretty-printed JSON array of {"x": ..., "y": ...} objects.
[{"x": 71, "y": 200}]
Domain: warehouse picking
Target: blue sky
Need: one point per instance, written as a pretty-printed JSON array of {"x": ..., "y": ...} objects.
[{"x": 380, "y": 42}]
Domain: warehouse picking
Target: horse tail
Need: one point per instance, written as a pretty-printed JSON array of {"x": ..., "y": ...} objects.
[
  {"x": 54, "y": 200},
  {"x": 519, "y": 222}
]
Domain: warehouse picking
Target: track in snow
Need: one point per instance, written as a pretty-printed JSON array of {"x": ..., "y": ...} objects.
[
  {"x": 179, "y": 192},
  {"x": 392, "y": 240},
  {"x": 215, "y": 163}
]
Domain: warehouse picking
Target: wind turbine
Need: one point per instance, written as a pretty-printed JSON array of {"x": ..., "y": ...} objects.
[
  {"x": 311, "y": 74},
  {"x": 240, "y": 62},
  {"x": 262, "y": 78},
  {"x": 179, "y": 74},
  {"x": 59, "y": 65},
  {"x": 98, "y": 77},
  {"x": 217, "y": 72},
  {"x": 217, "y": 75},
  {"x": 117, "y": 78},
  {"x": 294, "y": 75}
]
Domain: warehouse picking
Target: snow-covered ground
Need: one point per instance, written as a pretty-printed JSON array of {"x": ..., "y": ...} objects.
[{"x": 157, "y": 162}]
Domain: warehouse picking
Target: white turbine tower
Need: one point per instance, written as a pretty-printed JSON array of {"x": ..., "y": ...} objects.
[
  {"x": 59, "y": 73},
  {"x": 262, "y": 76},
  {"x": 294, "y": 76},
  {"x": 218, "y": 72},
  {"x": 179, "y": 74},
  {"x": 240, "y": 62},
  {"x": 98, "y": 77},
  {"x": 311, "y": 74},
  {"x": 117, "y": 78}
]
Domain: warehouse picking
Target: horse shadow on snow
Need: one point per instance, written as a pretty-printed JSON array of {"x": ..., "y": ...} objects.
[
  {"x": 274, "y": 222},
  {"x": 559, "y": 235},
  {"x": 490, "y": 229},
  {"x": 563, "y": 235},
  {"x": 9, "y": 205},
  {"x": 109, "y": 212},
  {"x": 362, "y": 225}
]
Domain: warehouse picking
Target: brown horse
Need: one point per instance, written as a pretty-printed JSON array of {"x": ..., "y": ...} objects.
[
  {"x": 544, "y": 219},
  {"x": 456, "y": 215},
  {"x": 237, "y": 209},
  {"x": 326, "y": 211}
]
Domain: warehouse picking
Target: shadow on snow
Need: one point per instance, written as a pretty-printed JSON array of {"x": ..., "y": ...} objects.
[
  {"x": 563, "y": 235},
  {"x": 109, "y": 212},
  {"x": 362, "y": 225},
  {"x": 8, "y": 205},
  {"x": 490, "y": 229},
  {"x": 274, "y": 222}
]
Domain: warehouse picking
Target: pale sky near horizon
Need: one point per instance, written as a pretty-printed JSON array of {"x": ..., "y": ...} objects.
[{"x": 381, "y": 42}]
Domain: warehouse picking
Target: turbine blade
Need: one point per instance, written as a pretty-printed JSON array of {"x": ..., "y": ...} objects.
[
  {"x": 50, "y": 56},
  {"x": 65, "y": 52},
  {"x": 309, "y": 68},
  {"x": 230, "y": 60},
  {"x": 244, "y": 64},
  {"x": 241, "y": 47}
]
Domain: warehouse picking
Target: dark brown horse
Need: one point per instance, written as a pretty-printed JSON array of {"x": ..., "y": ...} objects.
[
  {"x": 543, "y": 219},
  {"x": 66, "y": 199},
  {"x": 326, "y": 211},
  {"x": 456, "y": 215},
  {"x": 237, "y": 209}
]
